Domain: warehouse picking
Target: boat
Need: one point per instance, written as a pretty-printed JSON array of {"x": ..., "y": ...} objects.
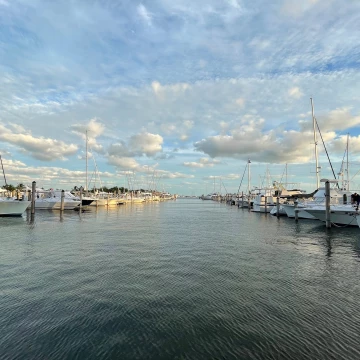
[
  {"x": 12, "y": 207},
  {"x": 358, "y": 220},
  {"x": 48, "y": 200},
  {"x": 85, "y": 201},
  {"x": 344, "y": 215}
]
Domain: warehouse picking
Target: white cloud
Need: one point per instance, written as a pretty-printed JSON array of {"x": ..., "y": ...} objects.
[
  {"x": 295, "y": 92},
  {"x": 146, "y": 143},
  {"x": 123, "y": 162},
  {"x": 201, "y": 163},
  {"x": 144, "y": 14},
  {"x": 40, "y": 148}
]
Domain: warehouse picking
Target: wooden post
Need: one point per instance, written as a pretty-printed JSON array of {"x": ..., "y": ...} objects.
[
  {"x": 265, "y": 204},
  {"x": 327, "y": 204},
  {"x": 277, "y": 206},
  {"x": 107, "y": 199},
  {"x": 296, "y": 211},
  {"x": 62, "y": 200},
  {"x": 33, "y": 197},
  {"x": 242, "y": 199},
  {"x": 81, "y": 196}
]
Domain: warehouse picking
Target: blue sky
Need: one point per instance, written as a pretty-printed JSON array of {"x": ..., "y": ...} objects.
[{"x": 187, "y": 90}]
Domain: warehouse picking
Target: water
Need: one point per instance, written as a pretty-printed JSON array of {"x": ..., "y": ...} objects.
[{"x": 177, "y": 280}]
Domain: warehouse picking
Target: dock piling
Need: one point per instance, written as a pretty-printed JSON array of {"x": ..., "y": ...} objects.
[
  {"x": 277, "y": 206},
  {"x": 62, "y": 200},
  {"x": 81, "y": 196},
  {"x": 33, "y": 196},
  {"x": 327, "y": 204},
  {"x": 296, "y": 211},
  {"x": 265, "y": 204}
]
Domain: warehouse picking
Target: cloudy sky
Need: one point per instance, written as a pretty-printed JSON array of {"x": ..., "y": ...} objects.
[{"x": 178, "y": 91}]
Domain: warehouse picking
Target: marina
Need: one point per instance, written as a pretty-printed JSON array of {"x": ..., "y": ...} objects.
[{"x": 180, "y": 180}]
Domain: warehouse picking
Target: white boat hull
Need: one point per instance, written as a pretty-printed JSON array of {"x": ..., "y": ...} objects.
[
  {"x": 282, "y": 211},
  {"x": 290, "y": 212},
  {"x": 262, "y": 209},
  {"x": 105, "y": 202},
  {"x": 44, "y": 204},
  {"x": 340, "y": 217},
  {"x": 13, "y": 207}
]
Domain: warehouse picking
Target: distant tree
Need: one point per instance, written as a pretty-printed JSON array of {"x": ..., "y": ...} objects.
[
  {"x": 9, "y": 187},
  {"x": 20, "y": 186}
]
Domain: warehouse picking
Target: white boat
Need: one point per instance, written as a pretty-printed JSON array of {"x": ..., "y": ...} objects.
[
  {"x": 12, "y": 207},
  {"x": 336, "y": 197},
  {"x": 282, "y": 211},
  {"x": 207, "y": 197},
  {"x": 339, "y": 214},
  {"x": 48, "y": 200},
  {"x": 264, "y": 201}
]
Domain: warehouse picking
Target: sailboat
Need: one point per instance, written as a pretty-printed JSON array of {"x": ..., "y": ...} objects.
[
  {"x": 100, "y": 198},
  {"x": 10, "y": 206},
  {"x": 336, "y": 194}
]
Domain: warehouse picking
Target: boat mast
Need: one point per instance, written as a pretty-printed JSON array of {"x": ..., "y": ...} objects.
[
  {"x": 316, "y": 149},
  {"x": 347, "y": 164},
  {"x": 249, "y": 162},
  {"x": 286, "y": 176},
  {"x": 3, "y": 170},
  {"x": 86, "y": 157}
]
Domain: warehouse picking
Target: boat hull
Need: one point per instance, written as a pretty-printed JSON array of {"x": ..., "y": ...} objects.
[
  {"x": 302, "y": 214},
  {"x": 54, "y": 205},
  {"x": 13, "y": 208},
  {"x": 339, "y": 217}
]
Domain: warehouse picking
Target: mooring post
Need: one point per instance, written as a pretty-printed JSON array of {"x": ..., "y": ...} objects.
[
  {"x": 107, "y": 202},
  {"x": 265, "y": 204},
  {"x": 296, "y": 211},
  {"x": 277, "y": 206},
  {"x": 81, "y": 196},
  {"x": 242, "y": 199},
  {"x": 33, "y": 196},
  {"x": 62, "y": 200},
  {"x": 327, "y": 204}
]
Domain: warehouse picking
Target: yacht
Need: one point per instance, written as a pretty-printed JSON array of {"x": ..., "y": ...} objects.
[
  {"x": 338, "y": 196},
  {"x": 48, "y": 200},
  {"x": 339, "y": 214},
  {"x": 12, "y": 207}
]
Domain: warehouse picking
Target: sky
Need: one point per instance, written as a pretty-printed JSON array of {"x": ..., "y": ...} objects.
[{"x": 177, "y": 93}]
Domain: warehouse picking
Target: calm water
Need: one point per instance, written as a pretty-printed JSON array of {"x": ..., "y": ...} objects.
[{"x": 177, "y": 280}]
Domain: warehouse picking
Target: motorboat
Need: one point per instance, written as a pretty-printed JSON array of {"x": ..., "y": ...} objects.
[
  {"x": 337, "y": 197},
  {"x": 12, "y": 207},
  {"x": 48, "y": 200},
  {"x": 345, "y": 215},
  {"x": 85, "y": 201}
]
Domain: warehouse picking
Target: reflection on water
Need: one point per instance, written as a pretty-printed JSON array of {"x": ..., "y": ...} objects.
[{"x": 185, "y": 279}]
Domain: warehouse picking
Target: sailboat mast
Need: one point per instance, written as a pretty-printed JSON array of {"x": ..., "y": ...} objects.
[
  {"x": 86, "y": 157},
  {"x": 249, "y": 178},
  {"x": 347, "y": 164},
  {"x": 2, "y": 166},
  {"x": 286, "y": 176},
  {"x": 316, "y": 149}
]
